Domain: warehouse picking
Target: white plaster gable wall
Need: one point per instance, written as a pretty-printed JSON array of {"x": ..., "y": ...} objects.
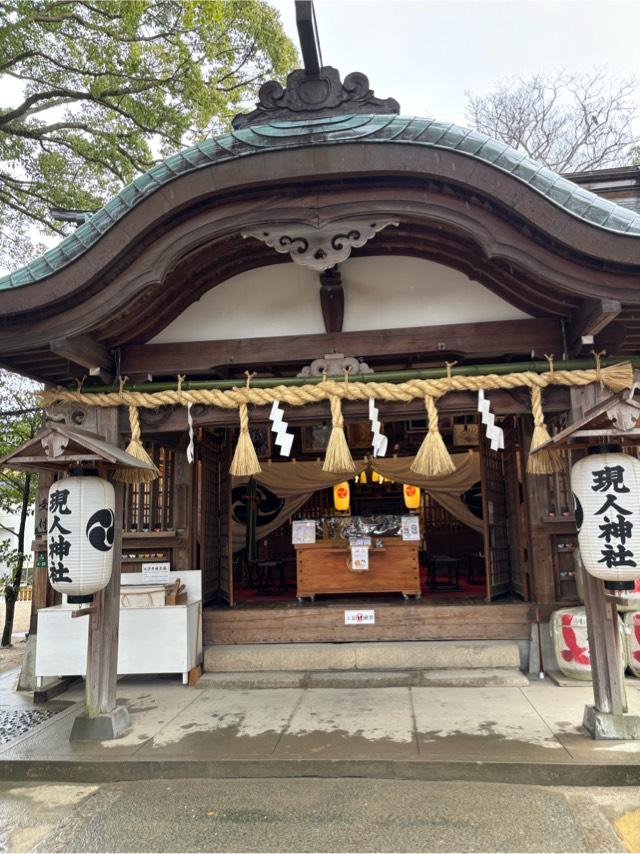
[{"x": 384, "y": 292}]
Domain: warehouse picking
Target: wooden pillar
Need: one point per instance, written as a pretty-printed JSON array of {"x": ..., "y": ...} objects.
[
  {"x": 41, "y": 590},
  {"x": 102, "y": 718},
  {"x": 602, "y": 619},
  {"x": 182, "y": 515}
]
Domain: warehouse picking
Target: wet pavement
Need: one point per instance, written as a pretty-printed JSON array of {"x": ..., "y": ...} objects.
[
  {"x": 529, "y": 734},
  {"x": 314, "y": 815},
  {"x": 18, "y": 714}
]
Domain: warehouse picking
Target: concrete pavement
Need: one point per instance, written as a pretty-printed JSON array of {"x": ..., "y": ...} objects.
[
  {"x": 530, "y": 734},
  {"x": 314, "y": 815}
]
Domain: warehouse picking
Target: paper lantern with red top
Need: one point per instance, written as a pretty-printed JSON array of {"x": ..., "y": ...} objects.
[
  {"x": 411, "y": 495},
  {"x": 606, "y": 491},
  {"x": 80, "y": 534}
]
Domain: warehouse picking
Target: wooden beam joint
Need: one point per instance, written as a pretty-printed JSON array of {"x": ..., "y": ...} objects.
[
  {"x": 588, "y": 321},
  {"x": 84, "y": 351}
]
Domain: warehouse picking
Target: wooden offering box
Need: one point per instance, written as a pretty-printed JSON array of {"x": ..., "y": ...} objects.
[{"x": 325, "y": 567}]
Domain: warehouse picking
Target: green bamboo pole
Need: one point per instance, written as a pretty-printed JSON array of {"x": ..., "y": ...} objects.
[{"x": 538, "y": 367}]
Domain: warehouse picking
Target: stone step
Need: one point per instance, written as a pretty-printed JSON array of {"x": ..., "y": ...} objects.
[
  {"x": 378, "y": 656},
  {"x": 503, "y": 677}
]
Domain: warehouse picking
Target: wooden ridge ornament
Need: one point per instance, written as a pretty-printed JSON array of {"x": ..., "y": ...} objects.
[{"x": 80, "y": 535}]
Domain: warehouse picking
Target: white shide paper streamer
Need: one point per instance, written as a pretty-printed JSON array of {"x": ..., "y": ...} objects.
[
  {"x": 279, "y": 426},
  {"x": 190, "y": 449},
  {"x": 495, "y": 434},
  {"x": 378, "y": 442}
]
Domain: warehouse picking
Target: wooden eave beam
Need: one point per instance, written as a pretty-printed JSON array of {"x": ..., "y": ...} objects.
[
  {"x": 494, "y": 338},
  {"x": 589, "y": 320},
  {"x": 84, "y": 351}
]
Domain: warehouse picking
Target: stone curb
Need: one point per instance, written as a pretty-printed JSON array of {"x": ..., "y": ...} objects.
[{"x": 115, "y": 771}]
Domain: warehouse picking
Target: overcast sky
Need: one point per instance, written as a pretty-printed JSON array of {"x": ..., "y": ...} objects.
[{"x": 427, "y": 53}]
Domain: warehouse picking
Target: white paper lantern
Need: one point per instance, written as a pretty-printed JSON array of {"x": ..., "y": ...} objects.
[
  {"x": 606, "y": 490},
  {"x": 80, "y": 535}
]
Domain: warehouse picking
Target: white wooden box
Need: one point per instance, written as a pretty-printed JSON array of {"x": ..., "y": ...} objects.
[{"x": 164, "y": 639}]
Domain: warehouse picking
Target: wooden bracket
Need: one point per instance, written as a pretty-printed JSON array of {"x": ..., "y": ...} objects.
[
  {"x": 84, "y": 351},
  {"x": 332, "y": 299},
  {"x": 83, "y": 612},
  {"x": 587, "y": 321}
]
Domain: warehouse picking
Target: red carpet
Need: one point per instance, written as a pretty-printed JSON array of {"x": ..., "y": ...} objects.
[{"x": 271, "y": 594}]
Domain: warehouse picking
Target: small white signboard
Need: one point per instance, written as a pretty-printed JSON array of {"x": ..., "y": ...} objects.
[
  {"x": 359, "y": 558},
  {"x": 410, "y": 528},
  {"x": 156, "y": 573},
  {"x": 359, "y": 541},
  {"x": 359, "y": 618},
  {"x": 303, "y": 531}
]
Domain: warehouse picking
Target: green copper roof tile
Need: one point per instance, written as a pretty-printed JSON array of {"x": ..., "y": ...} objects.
[{"x": 335, "y": 130}]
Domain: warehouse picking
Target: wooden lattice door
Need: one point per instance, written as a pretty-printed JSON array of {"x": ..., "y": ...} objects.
[
  {"x": 497, "y": 556},
  {"x": 214, "y": 523}
]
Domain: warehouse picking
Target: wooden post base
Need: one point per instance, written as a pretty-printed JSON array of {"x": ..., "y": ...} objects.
[
  {"x": 104, "y": 727},
  {"x": 601, "y": 725}
]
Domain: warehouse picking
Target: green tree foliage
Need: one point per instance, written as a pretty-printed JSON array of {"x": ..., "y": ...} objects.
[
  {"x": 19, "y": 421},
  {"x": 92, "y": 90}
]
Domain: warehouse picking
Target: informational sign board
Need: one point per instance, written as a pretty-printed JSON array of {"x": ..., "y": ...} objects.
[
  {"x": 359, "y": 618},
  {"x": 410, "y": 528},
  {"x": 303, "y": 531},
  {"x": 156, "y": 573},
  {"x": 359, "y": 558}
]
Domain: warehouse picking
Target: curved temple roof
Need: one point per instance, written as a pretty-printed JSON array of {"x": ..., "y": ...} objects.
[{"x": 282, "y": 135}]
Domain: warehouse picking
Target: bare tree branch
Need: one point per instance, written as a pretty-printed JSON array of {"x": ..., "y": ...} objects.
[{"x": 569, "y": 122}]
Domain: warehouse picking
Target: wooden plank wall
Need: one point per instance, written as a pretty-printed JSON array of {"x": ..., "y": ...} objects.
[{"x": 401, "y": 622}]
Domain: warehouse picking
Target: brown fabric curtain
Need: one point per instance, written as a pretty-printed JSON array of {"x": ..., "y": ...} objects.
[
  {"x": 295, "y": 482},
  {"x": 447, "y": 489}
]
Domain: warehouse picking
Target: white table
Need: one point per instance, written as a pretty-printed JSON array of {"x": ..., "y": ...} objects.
[{"x": 167, "y": 639}]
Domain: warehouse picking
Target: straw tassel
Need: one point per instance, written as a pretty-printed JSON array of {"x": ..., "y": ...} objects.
[
  {"x": 615, "y": 377},
  {"x": 548, "y": 460},
  {"x": 337, "y": 459},
  {"x": 433, "y": 458},
  {"x": 131, "y": 475},
  {"x": 245, "y": 460}
]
